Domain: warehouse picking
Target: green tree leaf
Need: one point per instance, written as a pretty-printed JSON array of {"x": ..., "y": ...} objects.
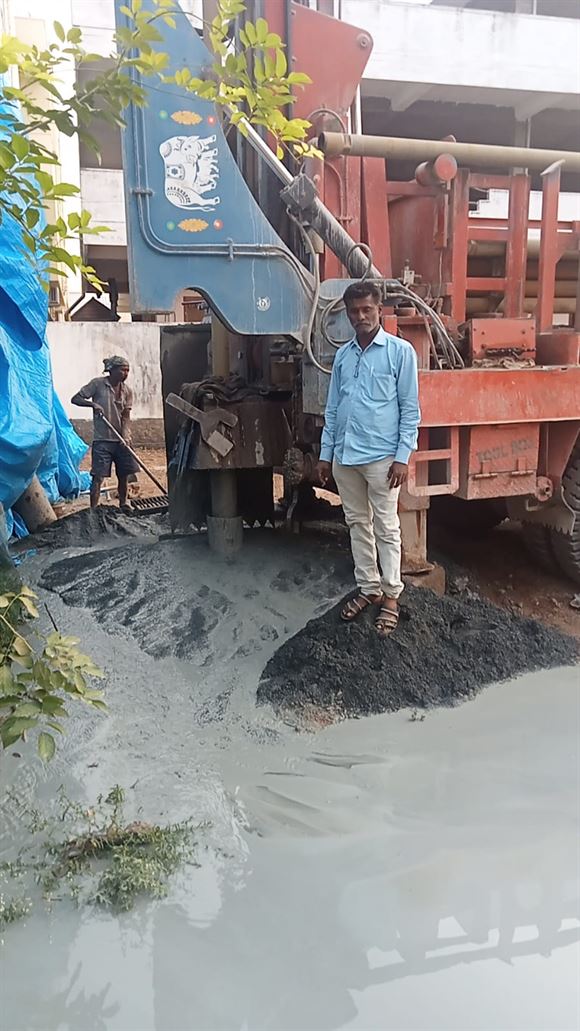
[
  {"x": 251, "y": 33},
  {"x": 27, "y": 709},
  {"x": 299, "y": 79},
  {"x": 6, "y": 680},
  {"x": 20, "y": 147},
  {"x": 29, "y": 606},
  {"x": 6, "y": 156},
  {"x": 46, "y": 746},
  {"x": 262, "y": 30},
  {"x": 64, "y": 190},
  {"x": 20, "y": 647}
]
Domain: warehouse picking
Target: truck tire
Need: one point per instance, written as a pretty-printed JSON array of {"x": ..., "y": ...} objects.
[
  {"x": 566, "y": 546},
  {"x": 538, "y": 541}
]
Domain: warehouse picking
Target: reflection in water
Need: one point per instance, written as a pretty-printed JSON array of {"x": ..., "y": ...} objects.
[
  {"x": 291, "y": 949},
  {"x": 79, "y": 1009},
  {"x": 46, "y": 986}
]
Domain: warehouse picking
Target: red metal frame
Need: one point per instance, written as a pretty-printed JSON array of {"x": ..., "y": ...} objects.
[
  {"x": 375, "y": 228},
  {"x": 517, "y": 245},
  {"x": 333, "y": 52},
  {"x": 431, "y": 230},
  {"x": 476, "y": 397},
  {"x": 548, "y": 247},
  {"x": 418, "y": 485},
  {"x": 455, "y": 259}
]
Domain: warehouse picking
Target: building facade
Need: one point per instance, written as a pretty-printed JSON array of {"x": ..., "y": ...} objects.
[{"x": 489, "y": 71}]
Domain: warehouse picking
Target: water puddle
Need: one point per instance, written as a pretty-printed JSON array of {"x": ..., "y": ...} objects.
[{"x": 377, "y": 873}]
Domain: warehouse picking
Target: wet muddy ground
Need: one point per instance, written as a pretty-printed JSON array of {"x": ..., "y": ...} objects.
[
  {"x": 499, "y": 565},
  {"x": 445, "y": 649},
  {"x": 377, "y": 873}
]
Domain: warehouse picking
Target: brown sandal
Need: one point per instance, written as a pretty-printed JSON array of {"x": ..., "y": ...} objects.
[
  {"x": 355, "y": 606},
  {"x": 386, "y": 621}
]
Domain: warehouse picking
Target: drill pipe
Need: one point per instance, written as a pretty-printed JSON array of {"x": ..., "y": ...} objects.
[{"x": 472, "y": 155}]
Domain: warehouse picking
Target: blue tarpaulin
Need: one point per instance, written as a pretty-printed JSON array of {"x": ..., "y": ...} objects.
[{"x": 36, "y": 437}]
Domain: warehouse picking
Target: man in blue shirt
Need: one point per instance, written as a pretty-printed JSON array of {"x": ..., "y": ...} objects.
[{"x": 371, "y": 423}]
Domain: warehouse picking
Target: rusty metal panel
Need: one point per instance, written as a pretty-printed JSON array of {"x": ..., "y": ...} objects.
[
  {"x": 497, "y": 338},
  {"x": 316, "y": 41},
  {"x": 260, "y": 438},
  {"x": 475, "y": 397},
  {"x": 184, "y": 359},
  {"x": 559, "y": 347},
  {"x": 415, "y": 329},
  {"x": 414, "y": 226},
  {"x": 498, "y": 461}
]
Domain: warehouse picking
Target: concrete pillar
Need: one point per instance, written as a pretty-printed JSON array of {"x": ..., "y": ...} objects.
[
  {"x": 521, "y": 137},
  {"x": 34, "y": 507},
  {"x": 522, "y": 133},
  {"x": 526, "y": 7}
]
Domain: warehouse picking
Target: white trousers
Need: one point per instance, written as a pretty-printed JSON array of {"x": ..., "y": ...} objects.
[{"x": 370, "y": 511}]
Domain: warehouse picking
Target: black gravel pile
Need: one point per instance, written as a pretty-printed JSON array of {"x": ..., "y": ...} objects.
[
  {"x": 88, "y": 526},
  {"x": 444, "y": 651}
]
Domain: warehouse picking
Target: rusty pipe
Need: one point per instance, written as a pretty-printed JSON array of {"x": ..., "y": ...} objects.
[
  {"x": 562, "y": 288},
  {"x": 482, "y": 305},
  {"x": 472, "y": 155},
  {"x": 496, "y": 248},
  {"x": 435, "y": 173}
]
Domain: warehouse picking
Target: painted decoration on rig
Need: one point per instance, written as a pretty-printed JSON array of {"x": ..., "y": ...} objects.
[{"x": 191, "y": 171}]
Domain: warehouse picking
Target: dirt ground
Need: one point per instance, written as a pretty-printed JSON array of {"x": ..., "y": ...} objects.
[
  {"x": 501, "y": 569},
  {"x": 497, "y": 564}
]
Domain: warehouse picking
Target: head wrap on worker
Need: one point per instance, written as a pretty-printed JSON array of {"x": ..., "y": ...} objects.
[{"x": 115, "y": 361}]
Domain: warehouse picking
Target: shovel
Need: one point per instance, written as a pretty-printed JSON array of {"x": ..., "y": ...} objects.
[
  {"x": 208, "y": 423},
  {"x": 135, "y": 456}
]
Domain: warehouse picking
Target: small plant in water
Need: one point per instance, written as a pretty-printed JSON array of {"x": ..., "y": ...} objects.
[
  {"x": 13, "y": 909},
  {"x": 102, "y": 859}
]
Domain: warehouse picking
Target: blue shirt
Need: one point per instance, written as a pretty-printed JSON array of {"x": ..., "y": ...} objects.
[{"x": 372, "y": 411}]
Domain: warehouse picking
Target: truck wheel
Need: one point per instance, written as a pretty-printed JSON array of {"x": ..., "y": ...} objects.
[
  {"x": 538, "y": 541},
  {"x": 566, "y": 546}
]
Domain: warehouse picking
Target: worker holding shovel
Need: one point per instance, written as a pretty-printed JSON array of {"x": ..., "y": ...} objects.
[{"x": 111, "y": 400}]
